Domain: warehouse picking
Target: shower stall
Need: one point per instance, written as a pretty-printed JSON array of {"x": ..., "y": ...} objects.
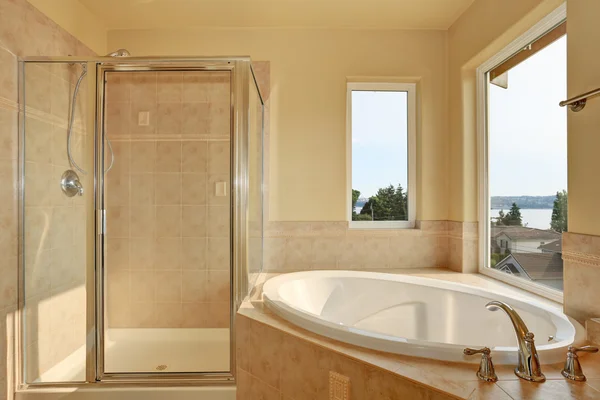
[{"x": 141, "y": 218}]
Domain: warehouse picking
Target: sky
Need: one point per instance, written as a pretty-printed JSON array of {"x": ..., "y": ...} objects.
[
  {"x": 527, "y": 128},
  {"x": 379, "y": 140},
  {"x": 528, "y": 140}
]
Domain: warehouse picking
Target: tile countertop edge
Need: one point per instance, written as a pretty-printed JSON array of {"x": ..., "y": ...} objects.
[{"x": 456, "y": 379}]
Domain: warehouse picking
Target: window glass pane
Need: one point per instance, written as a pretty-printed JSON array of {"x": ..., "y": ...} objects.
[
  {"x": 379, "y": 155},
  {"x": 528, "y": 167}
]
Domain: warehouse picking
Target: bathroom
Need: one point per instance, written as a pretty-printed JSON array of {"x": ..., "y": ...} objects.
[{"x": 179, "y": 217}]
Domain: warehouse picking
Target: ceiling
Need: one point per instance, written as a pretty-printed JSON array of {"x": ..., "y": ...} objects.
[{"x": 389, "y": 14}]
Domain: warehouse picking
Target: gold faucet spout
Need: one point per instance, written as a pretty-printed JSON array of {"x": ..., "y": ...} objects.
[{"x": 528, "y": 367}]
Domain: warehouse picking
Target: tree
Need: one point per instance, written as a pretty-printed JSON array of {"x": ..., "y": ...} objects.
[
  {"x": 559, "y": 221},
  {"x": 355, "y": 196},
  {"x": 389, "y": 204},
  {"x": 513, "y": 217},
  {"x": 500, "y": 218}
]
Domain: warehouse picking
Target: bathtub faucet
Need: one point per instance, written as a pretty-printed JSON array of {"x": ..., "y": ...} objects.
[{"x": 528, "y": 367}]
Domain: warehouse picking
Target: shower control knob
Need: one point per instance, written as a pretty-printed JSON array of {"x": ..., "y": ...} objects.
[
  {"x": 70, "y": 183},
  {"x": 486, "y": 370}
]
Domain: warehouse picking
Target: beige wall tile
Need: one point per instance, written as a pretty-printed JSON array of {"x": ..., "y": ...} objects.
[
  {"x": 218, "y": 287},
  {"x": 218, "y": 315},
  {"x": 142, "y": 189},
  {"x": 143, "y": 156},
  {"x": 143, "y": 286},
  {"x": 117, "y": 253},
  {"x": 117, "y": 119},
  {"x": 167, "y": 253},
  {"x": 168, "y": 157},
  {"x": 251, "y": 388},
  {"x": 168, "y": 189},
  {"x": 218, "y": 221},
  {"x": 117, "y": 222},
  {"x": 170, "y": 87},
  {"x": 169, "y": 286},
  {"x": 194, "y": 253},
  {"x": 218, "y": 255},
  {"x": 271, "y": 359},
  {"x": 118, "y": 87},
  {"x": 143, "y": 221},
  {"x": 193, "y": 189},
  {"x": 194, "y": 221},
  {"x": 168, "y": 221},
  {"x": 9, "y": 77},
  {"x": 143, "y": 315},
  {"x": 194, "y": 157},
  {"x": 195, "y": 315},
  {"x": 169, "y": 118},
  {"x": 195, "y": 284},
  {"x": 218, "y": 157},
  {"x": 196, "y": 118},
  {"x": 8, "y": 131},
  {"x": 141, "y": 253},
  {"x": 169, "y": 315}
]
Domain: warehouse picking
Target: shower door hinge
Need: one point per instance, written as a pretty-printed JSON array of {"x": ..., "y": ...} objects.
[{"x": 101, "y": 221}]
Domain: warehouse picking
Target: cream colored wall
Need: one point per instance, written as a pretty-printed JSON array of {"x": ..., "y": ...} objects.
[
  {"x": 308, "y": 104},
  {"x": 581, "y": 251},
  {"x": 76, "y": 19},
  {"x": 483, "y": 30},
  {"x": 583, "y": 64}
]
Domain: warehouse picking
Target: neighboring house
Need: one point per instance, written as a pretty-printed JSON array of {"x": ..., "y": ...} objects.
[
  {"x": 552, "y": 247},
  {"x": 514, "y": 239},
  {"x": 544, "y": 268}
]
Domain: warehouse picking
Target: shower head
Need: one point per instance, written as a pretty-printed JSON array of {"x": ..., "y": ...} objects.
[{"x": 119, "y": 53}]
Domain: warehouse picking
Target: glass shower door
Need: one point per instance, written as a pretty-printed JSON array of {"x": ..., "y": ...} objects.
[
  {"x": 56, "y": 213},
  {"x": 167, "y": 263}
]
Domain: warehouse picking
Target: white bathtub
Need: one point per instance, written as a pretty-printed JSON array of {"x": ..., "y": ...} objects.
[{"x": 415, "y": 316}]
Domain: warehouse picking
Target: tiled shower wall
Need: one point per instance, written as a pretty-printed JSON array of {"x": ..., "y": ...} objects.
[
  {"x": 168, "y": 251},
  {"x": 24, "y": 31}
]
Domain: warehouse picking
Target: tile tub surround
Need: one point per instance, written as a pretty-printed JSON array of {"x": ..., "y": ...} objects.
[
  {"x": 295, "y": 246},
  {"x": 592, "y": 327},
  {"x": 24, "y": 31},
  {"x": 581, "y": 257},
  {"x": 279, "y": 360},
  {"x": 168, "y": 257}
]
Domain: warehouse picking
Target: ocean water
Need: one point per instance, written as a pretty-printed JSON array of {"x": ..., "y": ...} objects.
[{"x": 532, "y": 218}]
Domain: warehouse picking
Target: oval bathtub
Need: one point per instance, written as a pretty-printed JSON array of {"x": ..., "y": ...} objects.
[{"x": 415, "y": 316}]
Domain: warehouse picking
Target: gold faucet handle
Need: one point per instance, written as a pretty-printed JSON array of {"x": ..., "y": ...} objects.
[
  {"x": 470, "y": 352},
  {"x": 587, "y": 349},
  {"x": 486, "y": 370},
  {"x": 572, "y": 369}
]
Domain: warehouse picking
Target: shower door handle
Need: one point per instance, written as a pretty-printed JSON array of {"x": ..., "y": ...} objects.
[{"x": 101, "y": 221}]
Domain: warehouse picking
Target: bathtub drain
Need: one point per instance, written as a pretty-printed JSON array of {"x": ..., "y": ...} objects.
[{"x": 161, "y": 367}]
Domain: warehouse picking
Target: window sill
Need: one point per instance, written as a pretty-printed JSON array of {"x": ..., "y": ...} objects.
[
  {"x": 540, "y": 290},
  {"x": 381, "y": 224}
]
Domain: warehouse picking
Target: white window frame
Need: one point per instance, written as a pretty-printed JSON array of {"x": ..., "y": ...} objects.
[
  {"x": 553, "y": 19},
  {"x": 410, "y": 89}
]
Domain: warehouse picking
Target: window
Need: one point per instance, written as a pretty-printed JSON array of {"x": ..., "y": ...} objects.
[
  {"x": 523, "y": 159},
  {"x": 381, "y": 126}
]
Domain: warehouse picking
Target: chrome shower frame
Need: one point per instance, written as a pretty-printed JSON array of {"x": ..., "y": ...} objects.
[{"x": 242, "y": 76}]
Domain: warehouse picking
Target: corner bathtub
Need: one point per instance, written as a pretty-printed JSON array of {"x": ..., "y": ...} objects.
[{"x": 415, "y": 316}]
